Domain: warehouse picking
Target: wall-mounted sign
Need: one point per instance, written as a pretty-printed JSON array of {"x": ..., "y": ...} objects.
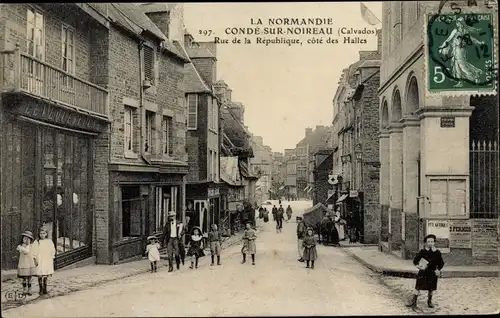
[
  {"x": 460, "y": 234},
  {"x": 353, "y": 193},
  {"x": 447, "y": 122},
  {"x": 440, "y": 228}
]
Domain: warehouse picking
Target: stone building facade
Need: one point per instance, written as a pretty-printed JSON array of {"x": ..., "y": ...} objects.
[
  {"x": 110, "y": 129},
  {"x": 431, "y": 149},
  {"x": 323, "y": 161}
]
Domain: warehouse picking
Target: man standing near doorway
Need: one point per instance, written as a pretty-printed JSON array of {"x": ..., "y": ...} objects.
[
  {"x": 301, "y": 233},
  {"x": 171, "y": 232}
]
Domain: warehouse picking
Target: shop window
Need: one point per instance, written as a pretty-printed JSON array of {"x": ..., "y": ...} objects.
[
  {"x": 448, "y": 198},
  {"x": 131, "y": 212}
]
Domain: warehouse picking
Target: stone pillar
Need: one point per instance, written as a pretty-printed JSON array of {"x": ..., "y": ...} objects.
[
  {"x": 384, "y": 184},
  {"x": 411, "y": 151},
  {"x": 396, "y": 185}
]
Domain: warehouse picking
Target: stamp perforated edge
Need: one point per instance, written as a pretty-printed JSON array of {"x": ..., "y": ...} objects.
[{"x": 458, "y": 93}]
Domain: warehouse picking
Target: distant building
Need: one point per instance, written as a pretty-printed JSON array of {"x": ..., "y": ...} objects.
[{"x": 261, "y": 166}]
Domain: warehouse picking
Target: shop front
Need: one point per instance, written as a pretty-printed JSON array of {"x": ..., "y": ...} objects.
[
  {"x": 47, "y": 173},
  {"x": 141, "y": 202},
  {"x": 203, "y": 203}
]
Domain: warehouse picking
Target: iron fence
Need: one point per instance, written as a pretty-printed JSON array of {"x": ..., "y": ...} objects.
[{"x": 484, "y": 179}]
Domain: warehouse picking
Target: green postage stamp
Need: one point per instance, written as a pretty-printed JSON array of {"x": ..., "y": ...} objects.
[{"x": 460, "y": 52}]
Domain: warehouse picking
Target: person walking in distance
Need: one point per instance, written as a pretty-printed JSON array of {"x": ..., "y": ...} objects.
[
  {"x": 215, "y": 239},
  {"x": 280, "y": 215},
  {"x": 274, "y": 211},
  {"x": 170, "y": 239},
  {"x": 289, "y": 212},
  {"x": 309, "y": 244},
  {"x": 44, "y": 252},
  {"x": 429, "y": 263},
  {"x": 301, "y": 233},
  {"x": 249, "y": 247}
]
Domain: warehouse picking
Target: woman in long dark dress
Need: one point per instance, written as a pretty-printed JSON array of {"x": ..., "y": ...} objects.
[{"x": 429, "y": 262}]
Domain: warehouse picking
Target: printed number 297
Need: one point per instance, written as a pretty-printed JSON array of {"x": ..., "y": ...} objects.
[
  {"x": 438, "y": 75},
  {"x": 206, "y": 32}
]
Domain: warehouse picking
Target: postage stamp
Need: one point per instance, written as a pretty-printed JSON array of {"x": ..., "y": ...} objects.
[{"x": 460, "y": 54}]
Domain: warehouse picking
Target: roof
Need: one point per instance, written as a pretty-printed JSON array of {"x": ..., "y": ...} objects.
[
  {"x": 156, "y": 7},
  {"x": 199, "y": 52},
  {"x": 132, "y": 18},
  {"x": 318, "y": 138},
  {"x": 370, "y": 63},
  {"x": 193, "y": 82}
]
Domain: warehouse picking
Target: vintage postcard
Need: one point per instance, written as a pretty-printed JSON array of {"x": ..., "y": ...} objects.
[{"x": 249, "y": 159}]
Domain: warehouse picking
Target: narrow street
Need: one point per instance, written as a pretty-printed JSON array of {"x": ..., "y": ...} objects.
[{"x": 276, "y": 285}]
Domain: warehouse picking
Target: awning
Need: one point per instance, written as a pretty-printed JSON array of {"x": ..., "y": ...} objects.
[
  {"x": 258, "y": 188},
  {"x": 342, "y": 198},
  {"x": 307, "y": 188},
  {"x": 310, "y": 189},
  {"x": 270, "y": 191},
  {"x": 282, "y": 187}
]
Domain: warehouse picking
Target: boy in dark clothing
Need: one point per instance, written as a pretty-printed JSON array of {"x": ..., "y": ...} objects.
[
  {"x": 301, "y": 233},
  {"x": 429, "y": 262},
  {"x": 215, "y": 240}
]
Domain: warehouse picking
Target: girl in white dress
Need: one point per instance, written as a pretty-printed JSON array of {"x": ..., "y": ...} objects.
[
  {"x": 153, "y": 251},
  {"x": 44, "y": 252}
]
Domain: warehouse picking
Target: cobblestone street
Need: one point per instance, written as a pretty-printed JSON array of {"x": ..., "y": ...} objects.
[{"x": 277, "y": 285}]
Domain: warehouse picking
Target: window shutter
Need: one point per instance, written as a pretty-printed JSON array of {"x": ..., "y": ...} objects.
[
  {"x": 149, "y": 64},
  {"x": 170, "y": 132}
]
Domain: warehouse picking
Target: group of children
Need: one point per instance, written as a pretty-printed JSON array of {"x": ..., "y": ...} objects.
[
  {"x": 36, "y": 258},
  {"x": 195, "y": 247}
]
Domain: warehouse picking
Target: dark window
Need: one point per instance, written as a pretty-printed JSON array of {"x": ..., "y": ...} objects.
[{"x": 131, "y": 211}]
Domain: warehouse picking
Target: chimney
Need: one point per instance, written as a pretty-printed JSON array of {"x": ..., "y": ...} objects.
[
  {"x": 169, "y": 18},
  {"x": 204, "y": 57},
  {"x": 188, "y": 39},
  {"x": 228, "y": 94},
  {"x": 308, "y": 131}
]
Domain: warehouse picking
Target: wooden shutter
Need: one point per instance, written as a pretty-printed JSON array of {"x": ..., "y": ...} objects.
[{"x": 149, "y": 64}]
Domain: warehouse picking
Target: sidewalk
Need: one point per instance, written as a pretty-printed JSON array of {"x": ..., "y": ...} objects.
[
  {"x": 391, "y": 265},
  {"x": 70, "y": 280}
]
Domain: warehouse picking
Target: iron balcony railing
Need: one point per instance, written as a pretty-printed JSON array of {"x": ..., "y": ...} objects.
[{"x": 21, "y": 72}]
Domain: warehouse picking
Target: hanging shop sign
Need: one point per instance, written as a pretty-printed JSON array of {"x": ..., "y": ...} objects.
[
  {"x": 213, "y": 192},
  {"x": 460, "y": 234},
  {"x": 440, "y": 228}
]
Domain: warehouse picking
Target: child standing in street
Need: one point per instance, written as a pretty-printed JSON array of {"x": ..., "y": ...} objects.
[
  {"x": 429, "y": 262},
  {"x": 195, "y": 249},
  {"x": 215, "y": 239},
  {"x": 153, "y": 251},
  {"x": 44, "y": 252},
  {"x": 309, "y": 244},
  {"x": 26, "y": 267},
  {"x": 249, "y": 247}
]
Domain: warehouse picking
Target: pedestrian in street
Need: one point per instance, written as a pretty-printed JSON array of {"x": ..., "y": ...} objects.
[
  {"x": 340, "y": 225},
  {"x": 289, "y": 212},
  {"x": 44, "y": 252},
  {"x": 274, "y": 211},
  {"x": 249, "y": 247},
  {"x": 215, "y": 240},
  {"x": 170, "y": 239},
  {"x": 26, "y": 267},
  {"x": 309, "y": 244},
  {"x": 153, "y": 252},
  {"x": 280, "y": 215},
  {"x": 301, "y": 233},
  {"x": 195, "y": 248},
  {"x": 429, "y": 263},
  {"x": 266, "y": 215}
]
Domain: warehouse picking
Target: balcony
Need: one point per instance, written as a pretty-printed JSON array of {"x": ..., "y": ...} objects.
[{"x": 22, "y": 73}]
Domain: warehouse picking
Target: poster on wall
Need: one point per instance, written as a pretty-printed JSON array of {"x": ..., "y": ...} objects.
[
  {"x": 460, "y": 234},
  {"x": 485, "y": 240},
  {"x": 440, "y": 228}
]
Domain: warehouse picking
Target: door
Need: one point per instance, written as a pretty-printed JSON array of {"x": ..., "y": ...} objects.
[{"x": 199, "y": 207}]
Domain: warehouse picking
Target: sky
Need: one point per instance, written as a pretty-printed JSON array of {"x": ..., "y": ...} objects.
[{"x": 285, "y": 89}]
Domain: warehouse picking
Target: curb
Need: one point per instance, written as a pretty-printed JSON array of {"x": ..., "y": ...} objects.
[
  {"x": 403, "y": 273},
  {"x": 11, "y": 305}
]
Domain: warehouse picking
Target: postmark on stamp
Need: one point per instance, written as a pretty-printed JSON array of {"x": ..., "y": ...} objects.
[{"x": 460, "y": 52}]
